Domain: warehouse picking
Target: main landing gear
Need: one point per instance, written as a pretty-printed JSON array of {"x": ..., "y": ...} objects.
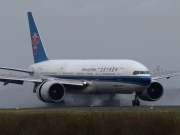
[
  {"x": 136, "y": 101},
  {"x": 112, "y": 101}
]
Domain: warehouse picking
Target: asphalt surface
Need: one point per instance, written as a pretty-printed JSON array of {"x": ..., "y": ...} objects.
[
  {"x": 103, "y": 107},
  {"x": 114, "y": 107}
]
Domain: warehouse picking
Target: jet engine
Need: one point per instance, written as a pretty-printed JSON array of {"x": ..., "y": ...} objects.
[
  {"x": 51, "y": 92},
  {"x": 153, "y": 93}
]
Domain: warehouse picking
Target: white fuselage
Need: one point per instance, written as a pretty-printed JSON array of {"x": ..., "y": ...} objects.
[{"x": 104, "y": 76}]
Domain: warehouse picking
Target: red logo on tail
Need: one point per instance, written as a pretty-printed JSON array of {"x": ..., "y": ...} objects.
[{"x": 35, "y": 42}]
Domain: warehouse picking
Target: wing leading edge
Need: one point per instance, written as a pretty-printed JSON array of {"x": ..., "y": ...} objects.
[
  {"x": 16, "y": 69},
  {"x": 20, "y": 80}
]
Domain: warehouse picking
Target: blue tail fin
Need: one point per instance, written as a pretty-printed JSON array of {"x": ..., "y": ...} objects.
[{"x": 39, "y": 52}]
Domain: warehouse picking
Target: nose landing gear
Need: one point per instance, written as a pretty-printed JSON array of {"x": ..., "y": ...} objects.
[{"x": 136, "y": 101}]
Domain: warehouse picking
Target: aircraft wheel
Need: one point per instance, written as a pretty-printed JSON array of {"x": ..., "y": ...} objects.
[
  {"x": 137, "y": 103},
  {"x": 133, "y": 103}
]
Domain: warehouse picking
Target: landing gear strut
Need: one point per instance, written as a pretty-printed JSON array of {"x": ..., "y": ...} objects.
[
  {"x": 112, "y": 101},
  {"x": 136, "y": 101}
]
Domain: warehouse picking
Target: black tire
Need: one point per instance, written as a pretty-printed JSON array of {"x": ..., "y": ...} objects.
[
  {"x": 133, "y": 103},
  {"x": 137, "y": 103}
]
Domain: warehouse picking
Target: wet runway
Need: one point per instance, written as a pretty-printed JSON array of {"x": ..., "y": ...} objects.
[
  {"x": 115, "y": 107},
  {"x": 102, "y": 107}
]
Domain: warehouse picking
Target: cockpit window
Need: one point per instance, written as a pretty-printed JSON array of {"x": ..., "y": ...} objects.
[
  {"x": 140, "y": 72},
  {"x": 135, "y": 72}
]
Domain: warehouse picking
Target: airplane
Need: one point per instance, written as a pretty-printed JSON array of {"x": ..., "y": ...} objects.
[{"x": 53, "y": 79}]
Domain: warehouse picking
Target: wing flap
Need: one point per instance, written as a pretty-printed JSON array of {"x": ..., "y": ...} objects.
[{"x": 11, "y": 81}]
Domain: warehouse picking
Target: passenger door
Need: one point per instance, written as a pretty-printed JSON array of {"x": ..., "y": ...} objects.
[{"x": 98, "y": 73}]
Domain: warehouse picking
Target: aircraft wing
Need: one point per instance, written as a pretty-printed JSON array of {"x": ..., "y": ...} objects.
[
  {"x": 20, "y": 80},
  {"x": 16, "y": 69},
  {"x": 164, "y": 74}
]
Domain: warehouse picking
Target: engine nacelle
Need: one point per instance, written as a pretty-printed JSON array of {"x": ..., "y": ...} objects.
[
  {"x": 153, "y": 93},
  {"x": 51, "y": 92}
]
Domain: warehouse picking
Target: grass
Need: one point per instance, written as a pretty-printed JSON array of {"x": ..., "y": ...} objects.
[{"x": 90, "y": 122}]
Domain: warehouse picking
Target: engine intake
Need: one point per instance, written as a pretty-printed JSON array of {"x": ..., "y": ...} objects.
[
  {"x": 51, "y": 92},
  {"x": 153, "y": 93}
]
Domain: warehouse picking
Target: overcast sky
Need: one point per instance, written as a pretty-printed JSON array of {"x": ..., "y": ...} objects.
[{"x": 147, "y": 31}]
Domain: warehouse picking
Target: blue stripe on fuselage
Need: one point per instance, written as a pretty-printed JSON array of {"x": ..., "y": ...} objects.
[{"x": 138, "y": 80}]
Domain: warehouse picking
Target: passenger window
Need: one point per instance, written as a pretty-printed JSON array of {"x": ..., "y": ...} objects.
[
  {"x": 113, "y": 69},
  {"x": 110, "y": 70},
  {"x": 116, "y": 69},
  {"x": 104, "y": 69}
]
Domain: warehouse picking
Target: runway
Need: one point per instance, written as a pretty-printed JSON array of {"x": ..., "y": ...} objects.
[
  {"x": 100, "y": 107},
  {"x": 119, "y": 107}
]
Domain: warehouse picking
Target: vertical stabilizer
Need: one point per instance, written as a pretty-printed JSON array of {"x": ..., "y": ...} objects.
[{"x": 39, "y": 52}]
